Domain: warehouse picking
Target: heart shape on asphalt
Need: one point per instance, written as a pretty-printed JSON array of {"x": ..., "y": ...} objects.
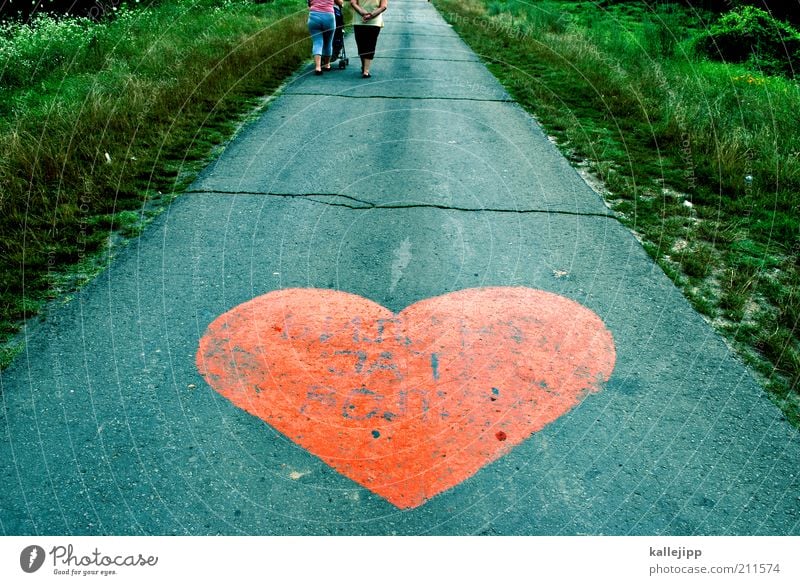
[{"x": 411, "y": 404}]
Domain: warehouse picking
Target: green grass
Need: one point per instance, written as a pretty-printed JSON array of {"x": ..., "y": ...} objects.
[
  {"x": 101, "y": 123},
  {"x": 701, "y": 159}
]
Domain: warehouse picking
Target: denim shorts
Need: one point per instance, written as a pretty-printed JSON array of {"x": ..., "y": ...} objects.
[{"x": 321, "y": 26}]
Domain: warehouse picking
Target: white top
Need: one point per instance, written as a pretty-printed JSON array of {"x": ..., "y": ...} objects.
[{"x": 369, "y": 6}]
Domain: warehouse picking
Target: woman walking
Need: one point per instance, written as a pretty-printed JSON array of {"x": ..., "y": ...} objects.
[
  {"x": 321, "y": 24},
  {"x": 367, "y": 31}
]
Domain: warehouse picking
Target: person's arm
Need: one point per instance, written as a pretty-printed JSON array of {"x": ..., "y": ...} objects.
[
  {"x": 357, "y": 7},
  {"x": 379, "y": 10}
]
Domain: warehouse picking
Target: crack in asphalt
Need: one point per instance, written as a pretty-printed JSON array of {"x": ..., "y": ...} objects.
[
  {"x": 418, "y": 34},
  {"x": 362, "y": 204},
  {"x": 396, "y": 97},
  {"x": 385, "y": 57}
]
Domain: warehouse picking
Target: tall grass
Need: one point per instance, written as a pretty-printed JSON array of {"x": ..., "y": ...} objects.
[
  {"x": 99, "y": 118},
  {"x": 701, "y": 158}
]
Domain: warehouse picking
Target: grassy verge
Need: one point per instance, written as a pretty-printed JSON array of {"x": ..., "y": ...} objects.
[
  {"x": 700, "y": 159},
  {"x": 100, "y": 123}
]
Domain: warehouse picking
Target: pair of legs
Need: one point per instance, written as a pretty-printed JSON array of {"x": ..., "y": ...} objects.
[
  {"x": 321, "y": 26},
  {"x": 366, "y": 39}
]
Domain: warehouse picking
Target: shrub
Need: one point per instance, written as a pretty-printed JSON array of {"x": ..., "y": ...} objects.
[
  {"x": 27, "y": 10},
  {"x": 783, "y": 9},
  {"x": 751, "y": 34}
]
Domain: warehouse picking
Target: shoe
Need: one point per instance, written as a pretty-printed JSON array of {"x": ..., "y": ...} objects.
[
  {"x": 365, "y": 75},
  {"x": 317, "y": 72},
  {"x": 328, "y": 68}
]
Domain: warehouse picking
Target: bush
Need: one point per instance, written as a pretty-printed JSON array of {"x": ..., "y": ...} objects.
[
  {"x": 29, "y": 53},
  {"x": 783, "y": 9},
  {"x": 751, "y": 35},
  {"x": 27, "y": 10}
]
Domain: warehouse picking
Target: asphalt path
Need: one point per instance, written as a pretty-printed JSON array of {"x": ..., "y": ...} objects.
[{"x": 420, "y": 182}]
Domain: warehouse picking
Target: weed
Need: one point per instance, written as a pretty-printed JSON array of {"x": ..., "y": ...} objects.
[{"x": 698, "y": 260}]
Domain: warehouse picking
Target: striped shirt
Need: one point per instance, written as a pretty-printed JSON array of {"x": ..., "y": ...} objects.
[{"x": 320, "y": 5}]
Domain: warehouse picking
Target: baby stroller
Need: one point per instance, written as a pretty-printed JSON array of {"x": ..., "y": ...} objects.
[{"x": 339, "y": 52}]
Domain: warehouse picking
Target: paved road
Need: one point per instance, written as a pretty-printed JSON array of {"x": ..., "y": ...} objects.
[{"x": 421, "y": 182}]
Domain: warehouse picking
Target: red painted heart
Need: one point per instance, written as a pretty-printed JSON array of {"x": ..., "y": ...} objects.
[{"x": 410, "y": 404}]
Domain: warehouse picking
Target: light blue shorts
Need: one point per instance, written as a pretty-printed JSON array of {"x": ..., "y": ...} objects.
[{"x": 321, "y": 26}]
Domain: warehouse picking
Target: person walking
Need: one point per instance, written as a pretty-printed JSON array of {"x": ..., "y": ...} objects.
[
  {"x": 321, "y": 24},
  {"x": 367, "y": 31}
]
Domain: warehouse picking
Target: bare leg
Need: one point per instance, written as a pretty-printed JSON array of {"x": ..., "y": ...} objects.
[
  {"x": 317, "y": 62},
  {"x": 365, "y": 68}
]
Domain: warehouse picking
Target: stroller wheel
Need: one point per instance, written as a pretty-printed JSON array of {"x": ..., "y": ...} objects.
[
  {"x": 342, "y": 64},
  {"x": 346, "y": 62}
]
